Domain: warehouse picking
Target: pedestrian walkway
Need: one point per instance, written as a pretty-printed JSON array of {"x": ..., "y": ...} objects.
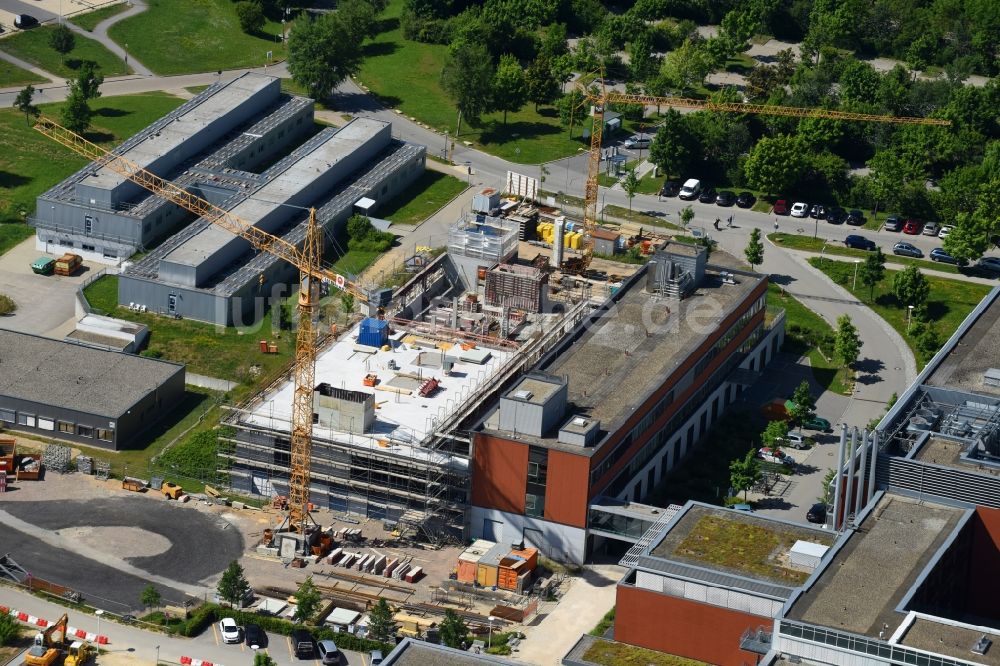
[
  {"x": 23, "y": 64},
  {"x": 101, "y": 35}
]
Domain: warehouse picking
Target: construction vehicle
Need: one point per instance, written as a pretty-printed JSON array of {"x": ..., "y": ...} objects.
[
  {"x": 46, "y": 649},
  {"x": 307, "y": 259},
  {"x": 171, "y": 490},
  {"x": 600, "y": 99},
  {"x": 79, "y": 653}
]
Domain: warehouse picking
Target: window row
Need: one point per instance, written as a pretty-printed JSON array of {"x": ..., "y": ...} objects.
[{"x": 54, "y": 425}]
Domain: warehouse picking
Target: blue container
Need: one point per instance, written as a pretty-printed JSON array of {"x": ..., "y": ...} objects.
[{"x": 373, "y": 332}]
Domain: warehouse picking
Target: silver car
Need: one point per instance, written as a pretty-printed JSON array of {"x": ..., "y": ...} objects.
[{"x": 931, "y": 229}]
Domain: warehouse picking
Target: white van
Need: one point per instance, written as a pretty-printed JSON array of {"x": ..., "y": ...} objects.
[
  {"x": 690, "y": 190},
  {"x": 638, "y": 141}
]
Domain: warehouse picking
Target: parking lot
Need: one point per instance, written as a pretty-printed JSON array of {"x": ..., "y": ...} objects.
[{"x": 42, "y": 10}]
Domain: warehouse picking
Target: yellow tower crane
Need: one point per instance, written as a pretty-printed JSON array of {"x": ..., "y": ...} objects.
[
  {"x": 600, "y": 100},
  {"x": 308, "y": 259}
]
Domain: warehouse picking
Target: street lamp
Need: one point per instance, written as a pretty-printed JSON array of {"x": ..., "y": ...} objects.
[
  {"x": 126, "y": 54},
  {"x": 98, "y": 613},
  {"x": 909, "y": 317},
  {"x": 157, "y": 655},
  {"x": 857, "y": 262},
  {"x": 490, "y": 643},
  {"x": 816, "y": 228}
]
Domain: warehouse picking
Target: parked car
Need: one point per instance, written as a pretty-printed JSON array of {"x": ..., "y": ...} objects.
[
  {"x": 800, "y": 209},
  {"x": 989, "y": 264},
  {"x": 725, "y": 198},
  {"x": 794, "y": 441},
  {"x": 817, "y": 212},
  {"x": 893, "y": 223},
  {"x": 855, "y": 218},
  {"x": 817, "y": 423},
  {"x": 836, "y": 215},
  {"x": 745, "y": 508},
  {"x": 859, "y": 242},
  {"x": 945, "y": 230},
  {"x": 302, "y": 644},
  {"x": 375, "y": 657},
  {"x": 328, "y": 652},
  {"x": 781, "y": 207},
  {"x": 912, "y": 227},
  {"x": 690, "y": 190},
  {"x": 905, "y": 249},
  {"x": 24, "y": 21},
  {"x": 43, "y": 265},
  {"x": 939, "y": 254},
  {"x": 230, "y": 630},
  {"x": 817, "y": 513},
  {"x": 254, "y": 636},
  {"x": 745, "y": 199},
  {"x": 638, "y": 141},
  {"x": 775, "y": 455},
  {"x": 669, "y": 189},
  {"x": 707, "y": 195},
  {"x": 931, "y": 229}
]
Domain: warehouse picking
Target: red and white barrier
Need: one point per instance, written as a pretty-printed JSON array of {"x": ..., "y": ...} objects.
[
  {"x": 188, "y": 661},
  {"x": 42, "y": 623}
]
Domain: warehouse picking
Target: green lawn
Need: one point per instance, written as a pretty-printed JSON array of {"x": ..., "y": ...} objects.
[
  {"x": 184, "y": 36},
  {"x": 354, "y": 261},
  {"x": 33, "y": 46},
  {"x": 638, "y": 217},
  {"x": 810, "y": 244},
  {"x": 808, "y": 334},
  {"x": 31, "y": 163},
  {"x": 406, "y": 75},
  {"x": 12, "y": 75},
  {"x": 227, "y": 353},
  {"x": 650, "y": 185},
  {"x": 950, "y": 301},
  {"x": 609, "y": 653},
  {"x": 90, "y": 20},
  {"x": 422, "y": 198}
]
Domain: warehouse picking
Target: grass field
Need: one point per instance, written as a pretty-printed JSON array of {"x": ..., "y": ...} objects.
[
  {"x": 31, "y": 163},
  {"x": 354, "y": 261},
  {"x": 183, "y": 36},
  {"x": 422, "y": 198},
  {"x": 949, "y": 302},
  {"x": 608, "y": 653},
  {"x": 810, "y": 244},
  {"x": 33, "y": 46},
  {"x": 12, "y": 75},
  {"x": 406, "y": 75},
  {"x": 90, "y": 20},
  {"x": 638, "y": 217}
]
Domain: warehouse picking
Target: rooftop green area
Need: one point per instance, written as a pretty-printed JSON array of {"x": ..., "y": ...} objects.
[
  {"x": 422, "y": 198},
  {"x": 33, "y": 46},
  {"x": 185, "y": 36},
  {"x": 89, "y": 20},
  {"x": 610, "y": 653},
  {"x": 739, "y": 544}
]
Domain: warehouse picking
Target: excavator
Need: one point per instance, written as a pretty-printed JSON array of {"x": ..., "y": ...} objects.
[
  {"x": 46, "y": 650},
  {"x": 79, "y": 653}
]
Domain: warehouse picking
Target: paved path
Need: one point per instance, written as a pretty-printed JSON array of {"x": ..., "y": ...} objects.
[
  {"x": 34, "y": 69},
  {"x": 100, "y": 33},
  {"x": 213, "y": 383}
]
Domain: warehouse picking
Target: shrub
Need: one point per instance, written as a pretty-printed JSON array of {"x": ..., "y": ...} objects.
[
  {"x": 9, "y": 629},
  {"x": 7, "y": 305}
]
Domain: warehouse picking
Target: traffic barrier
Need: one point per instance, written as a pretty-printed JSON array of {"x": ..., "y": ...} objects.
[
  {"x": 41, "y": 622},
  {"x": 80, "y": 633},
  {"x": 102, "y": 640},
  {"x": 188, "y": 661},
  {"x": 23, "y": 617},
  {"x": 4, "y": 610}
]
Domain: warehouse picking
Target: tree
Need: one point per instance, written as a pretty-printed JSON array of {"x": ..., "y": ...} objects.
[
  {"x": 24, "y": 105},
  {"x": 150, "y": 597},
  {"x": 974, "y": 232},
  {"x": 9, "y": 629},
  {"x": 322, "y": 52},
  {"x": 263, "y": 659},
  {"x": 75, "y": 115},
  {"x": 754, "y": 251},
  {"x": 453, "y": 630},
  {"x": 774, "y": 434},
  {"x": 673, "y": 146},
  {"x": 803, "y": 403},
  {"x": 381, "y": 626},
  {"x": 744, "y": 472},
  {"x": 509, "y": 90},
  {"x": 89, "y": 79},
  {"x": 872, "y": 271},
  {"x": 7, "y": 305},
  {"x": 233, "y": 586},
  {"x": 250, "y": 14},
  {"x": 687, "y": 214},
  {"x": 467, "y": 78},
  {"x": 347, "y": 302},
  {"x": 775, "y": 163},
  {"x": 542, "y": 87},
  {"x": 686, "y": 67},
  {"x": 847, "y": 341},
  {"x": 887, "y": 179},
  {"x": 631, "y": 186},
  {"x": 570, "y": 108},
  {"x": 911, "y": 287},
  {"x": 307, "y": 600},
  {"x": 358, "y": 18},
  {"x": 62, "y": 39}
]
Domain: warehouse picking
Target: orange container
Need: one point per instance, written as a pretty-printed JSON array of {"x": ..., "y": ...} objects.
[{"x": 263, "y": 346}]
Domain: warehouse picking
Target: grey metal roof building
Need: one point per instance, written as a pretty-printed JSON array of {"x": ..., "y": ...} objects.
[
  {"x": 75, "y": 392},
  {"x": 204, "y": 145}
]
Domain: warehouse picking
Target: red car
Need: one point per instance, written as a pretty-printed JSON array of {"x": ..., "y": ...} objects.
[
  {"x": 912, "y": 227},
  {"x": 781, "y": 207}
]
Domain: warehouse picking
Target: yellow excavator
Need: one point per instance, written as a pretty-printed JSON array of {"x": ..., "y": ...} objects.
[
  {"x": 45, "y": 650},
  {"x": 79, "y": 653}
]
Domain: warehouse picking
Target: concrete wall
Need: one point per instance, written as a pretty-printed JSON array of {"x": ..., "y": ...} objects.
[{"x": 558, "y": 542}]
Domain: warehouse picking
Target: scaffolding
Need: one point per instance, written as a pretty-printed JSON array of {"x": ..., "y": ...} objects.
[{"x": 56, "y": 458}]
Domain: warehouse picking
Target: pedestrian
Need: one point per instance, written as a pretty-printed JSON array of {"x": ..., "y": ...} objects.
[
  {"x": 775, "y": 224},
  {"x": 730, "y": 221}
]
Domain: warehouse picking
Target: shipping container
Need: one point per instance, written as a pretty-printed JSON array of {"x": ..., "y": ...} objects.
[{"x": 68, "y": 264}]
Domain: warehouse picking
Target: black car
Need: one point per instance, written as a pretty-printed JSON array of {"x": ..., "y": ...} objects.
[
  {"x": 707, "y": 195},
  {"x": 893, "y": 223},
  {"x": 725, "y": 198},
  {"x": 836, "y": 215},
  {"x": 855, "y": 218},
  {"x": 859, "y": 242},
  {"x": 907, "y": 250},
  {"x": 817, "y": 212},
  {"x": 670, "y": 189},
  {"x": 302, "y": 644},
  {"x": 254, "y": 636},
  {"x": 745, "y": 199},
  {"x": 817, "y": 513},
  {"x": 25, "y": 21}
]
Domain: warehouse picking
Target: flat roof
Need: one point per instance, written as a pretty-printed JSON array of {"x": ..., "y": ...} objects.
[
  {"x": 861, "y": 586},
  {"x": 535, "y": 390},
  {"x": 168, "y": 138},
  {"x": 711, "y": 537},
  {"x": 77, "y": 377},
  {"x": 420, "y": 653},
  {"x": 952, "y": 639},
  {"x": 282, "y": 188},
  {"x": 977, "y": 350},
  {"x": 402, "y": 418}
]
